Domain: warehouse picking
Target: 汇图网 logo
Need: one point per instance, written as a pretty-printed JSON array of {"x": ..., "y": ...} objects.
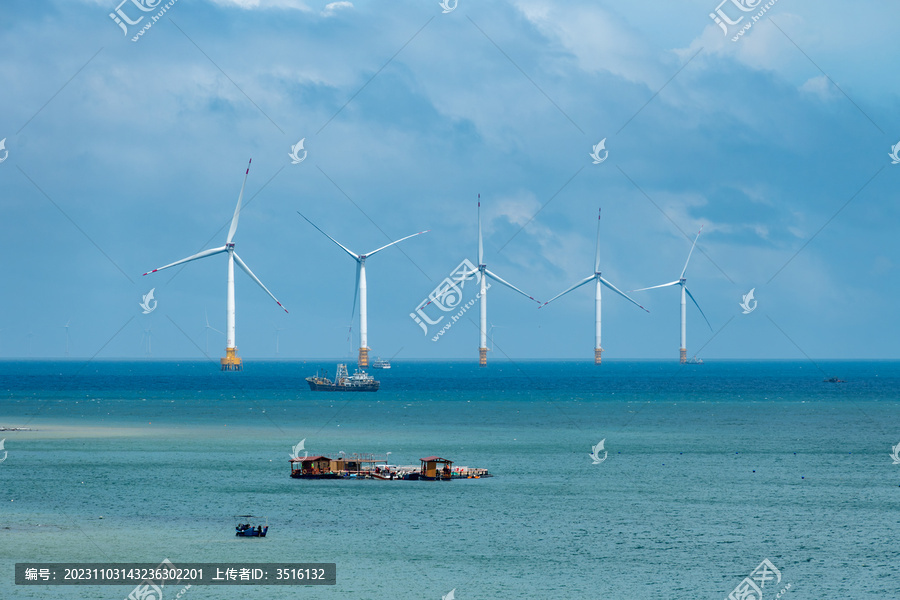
[
  {"x": 596, "y": 450},
  {"x": 295, "y": 451},
  {"x": 747, "y": 299},
  {"x": 295, "y": 152},
  {"x": 600, "y": 147},
  {"x": 448, "y": 5},
  {"x": 147, "y": 299}
]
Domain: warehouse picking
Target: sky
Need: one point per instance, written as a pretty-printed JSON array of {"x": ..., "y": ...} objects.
[{"x": 124, "y": 152}]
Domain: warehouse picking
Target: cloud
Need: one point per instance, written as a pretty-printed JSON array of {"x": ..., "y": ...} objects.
[
  {"x": 597, "y": 39},
  {"x": 332, "y": 7}
]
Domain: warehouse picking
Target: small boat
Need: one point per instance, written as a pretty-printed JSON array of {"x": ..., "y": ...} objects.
[
  {"x": 833, "y": 380},
  {"x": 380, "y": 363},
  {"x": 250, "y": 526},
  {"x": 360, "y": 381}
]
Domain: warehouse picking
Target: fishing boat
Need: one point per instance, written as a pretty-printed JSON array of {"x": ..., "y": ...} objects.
[
  {"x": 360, "y": 381},
  {"x": 380, "y": 363},
  {"x": 250, "y": 526}
]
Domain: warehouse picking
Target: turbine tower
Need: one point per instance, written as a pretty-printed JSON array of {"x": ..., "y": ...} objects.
[
  {"x": 484, "y": 273},
  {"x": 231, "y": 362},
  {"x": 683, "y": 283},
  {"x": 360, "y": 289},
  {"x": 600, "y": 281}
]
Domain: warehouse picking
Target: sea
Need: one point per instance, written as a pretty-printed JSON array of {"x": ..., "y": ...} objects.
[{"x": 711, "y": 478}]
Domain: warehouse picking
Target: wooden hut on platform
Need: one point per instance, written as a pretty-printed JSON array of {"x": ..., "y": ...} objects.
[{"x": 431, "y": 471}]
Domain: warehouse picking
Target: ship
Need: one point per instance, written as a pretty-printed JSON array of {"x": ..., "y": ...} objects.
[
  {"x": 360, "y": 381},
  {"x": 380, "y": 363}
]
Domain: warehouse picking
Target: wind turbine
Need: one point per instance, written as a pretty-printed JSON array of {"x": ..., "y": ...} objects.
[
  {"x": 360, "y": 289},
  {"x": 146, "y": 335},
  {"x": 683, "y": 283},
  {"x": 208, "y": 327},
  {"x": 231, "y": 362},
  {"x": 491, "y": 334},
  {"x": 484, "y": 273},
  {"x": 600, "y": 281},
  {"x": 67, "y": 336},
  {"x": 277, "y": 333}
]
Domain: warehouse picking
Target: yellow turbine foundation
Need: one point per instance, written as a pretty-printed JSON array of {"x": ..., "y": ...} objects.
[
  {"x": 363, "y": 358},
  {"x": 232, "y": 362},
  {"x": 597, "y": 353},
  {"x": 683, "y": 355},
  {"x": 482, "y": 357}
]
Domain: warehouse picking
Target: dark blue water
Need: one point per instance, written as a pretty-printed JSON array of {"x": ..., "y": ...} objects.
[{"x": 710, "y": 469}]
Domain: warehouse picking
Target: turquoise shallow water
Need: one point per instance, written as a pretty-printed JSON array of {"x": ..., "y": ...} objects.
[{"x": 711, "y": 469}]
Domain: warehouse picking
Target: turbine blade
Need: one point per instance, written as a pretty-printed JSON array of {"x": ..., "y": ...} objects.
[
  {"x": 577, "y": 285},
  {"x": 343, "y": 247},
  {"x": 480, "y": 244},
  {"x": 397, "y": 242},
  {"x": 247, "y": 270},
  {"x": 355, "y": 292},
  {"x": 203, "y": 254},
  {"x": 237, "y": 209},
  {"x": 653, "y": 287},
  {"x": 698, "y": 307},
  {"x": 597, "y": 259},
  {"x": 691, "y": 252},
  {"x": 498, "y": 279},
  {"x": 621, "y": 293}
]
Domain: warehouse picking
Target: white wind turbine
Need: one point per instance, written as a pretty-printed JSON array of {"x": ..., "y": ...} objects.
[
  {"x": 360, "y": 289},
  {"x": 600, "y": 281},
  {"x": 484, "y": 273},
  {"x": 208, "y": 327},
  {"x": 231, "y": 362},
  {"x": 683, "y": 283}
]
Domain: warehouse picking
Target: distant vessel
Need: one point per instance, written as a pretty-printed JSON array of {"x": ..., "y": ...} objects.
[
  {"x": 694, "y": 361},
  {"x": 834, "y": 380},
  {"x": 360, "y": 381},
  {"x": 251, "y": 526},
  {"x": 380, "y": 363},
  {"x": 372, "y": 466}
]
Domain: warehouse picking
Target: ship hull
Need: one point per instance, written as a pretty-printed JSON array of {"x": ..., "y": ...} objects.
[{"x": 316, "y": 386}]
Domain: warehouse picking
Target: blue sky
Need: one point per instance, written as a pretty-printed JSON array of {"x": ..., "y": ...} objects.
[{"x": 125, "y": 156}]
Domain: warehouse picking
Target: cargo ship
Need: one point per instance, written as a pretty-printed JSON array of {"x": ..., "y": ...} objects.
[{"x": 360, "y": 381}]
